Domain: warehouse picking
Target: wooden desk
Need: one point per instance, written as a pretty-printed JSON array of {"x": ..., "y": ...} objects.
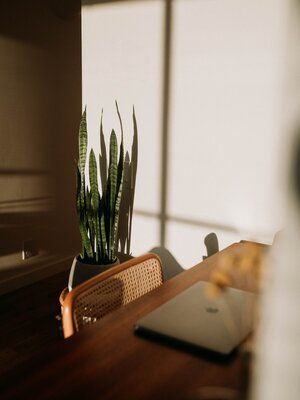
[{"x": 107, "y": 361}]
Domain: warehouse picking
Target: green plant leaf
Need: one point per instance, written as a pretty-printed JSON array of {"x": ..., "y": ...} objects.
[
  {"x": 78, "y": 192},
  {"x": 116, "y": 222},
  {"x": 123, "y": 227},
  {"x": 121, "y": 157},
  {"x": 85, "y": 240},
  {"x": 102, "y": 158},
  {"x": 103, "y": 238},
  {"x": 112, "y": 187},
  {"x": 83, "y": 141},
  {"x": 133, "y": 171},
  {"x": 113, "y": 169},
  {"x": 99, "y": 212},
  {"x": 94, "y": 182}
]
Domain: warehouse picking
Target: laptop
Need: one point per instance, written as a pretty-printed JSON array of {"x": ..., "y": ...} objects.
[{"x": 218, "y": 324}]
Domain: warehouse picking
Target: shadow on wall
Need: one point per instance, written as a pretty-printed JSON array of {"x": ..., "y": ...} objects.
[
  {"x": 171, "y": 266},
  {"x": 127, "y": 201}
]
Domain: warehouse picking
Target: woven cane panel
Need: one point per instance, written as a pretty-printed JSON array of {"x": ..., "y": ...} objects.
[{"x": 120, "y": 289}]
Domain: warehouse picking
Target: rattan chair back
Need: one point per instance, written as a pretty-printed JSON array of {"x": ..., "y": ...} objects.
[{"x": 106, "y": 292}]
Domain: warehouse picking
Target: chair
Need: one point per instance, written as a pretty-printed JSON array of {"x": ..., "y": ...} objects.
[{"x": 108, "y": 291}]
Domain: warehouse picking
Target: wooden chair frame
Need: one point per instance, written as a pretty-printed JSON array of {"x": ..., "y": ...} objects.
[{"x": 68, "y": 303}]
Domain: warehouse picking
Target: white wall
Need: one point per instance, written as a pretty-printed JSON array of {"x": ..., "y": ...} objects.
[
  {"x": 225, "y": 113},
  {"x": 122, "y": 60},
  {"x": 226, "y": 120}
]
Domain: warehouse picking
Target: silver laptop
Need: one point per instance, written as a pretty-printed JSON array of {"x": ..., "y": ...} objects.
[{"x": 218, "y": 324}]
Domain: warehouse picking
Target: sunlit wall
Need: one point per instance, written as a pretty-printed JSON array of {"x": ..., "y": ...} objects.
[
  {"x": 225, "y": 114},
  {"x": 122, "y": 60}
]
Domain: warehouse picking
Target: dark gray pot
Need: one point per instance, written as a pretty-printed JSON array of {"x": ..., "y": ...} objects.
[{"x": 81, "y": 272}]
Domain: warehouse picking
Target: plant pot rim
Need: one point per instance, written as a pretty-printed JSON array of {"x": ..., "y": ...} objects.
[
  {"x": 116, "y": 262},
  {"x": 81, "y": 272}
]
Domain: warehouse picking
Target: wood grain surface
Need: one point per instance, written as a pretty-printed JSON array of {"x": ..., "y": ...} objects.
[{"x": 108, "y": 361}]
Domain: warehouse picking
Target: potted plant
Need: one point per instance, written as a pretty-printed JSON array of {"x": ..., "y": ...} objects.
[{"x": 98, "y": 210}]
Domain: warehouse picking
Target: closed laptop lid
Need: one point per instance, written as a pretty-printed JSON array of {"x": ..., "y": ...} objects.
[{"x": 218, "y": 324}]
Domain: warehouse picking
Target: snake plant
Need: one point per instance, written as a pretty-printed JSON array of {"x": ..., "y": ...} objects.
[{"x": 98, "y": 210}]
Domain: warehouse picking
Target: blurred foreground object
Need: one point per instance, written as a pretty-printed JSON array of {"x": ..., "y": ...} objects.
[
  {"x": 242, "y": 265},
  {"x": 246, "y": 265},
  {"x": 277, "y": 363}
]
